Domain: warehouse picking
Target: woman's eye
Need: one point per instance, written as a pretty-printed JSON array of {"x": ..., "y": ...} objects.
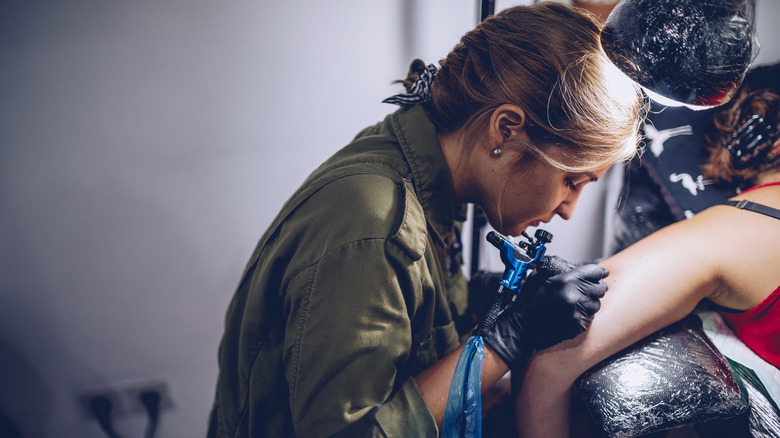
[{"x": 570, "y": 185}]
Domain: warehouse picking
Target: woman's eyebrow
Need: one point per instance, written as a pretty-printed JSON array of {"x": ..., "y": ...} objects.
[{"x": 593, "y": 177}]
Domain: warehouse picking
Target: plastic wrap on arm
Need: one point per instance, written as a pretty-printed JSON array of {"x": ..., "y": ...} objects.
[{"x": 671, "y": 378}]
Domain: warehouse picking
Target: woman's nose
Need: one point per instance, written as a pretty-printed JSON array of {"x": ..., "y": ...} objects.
[
  {"x": 566, "y": 208},
  {"x": 564, "y": 211}
]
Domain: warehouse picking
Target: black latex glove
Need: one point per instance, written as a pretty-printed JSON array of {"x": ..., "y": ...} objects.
[
  {"x": 556, "y": 309},
  {"x": 542, "y": 270},
  {"x": 552, "y": 265}
]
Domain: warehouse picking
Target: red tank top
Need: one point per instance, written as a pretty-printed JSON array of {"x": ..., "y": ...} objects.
[
  {"x": 759, "y": 327},
  {"x": 763, "y": 185}
]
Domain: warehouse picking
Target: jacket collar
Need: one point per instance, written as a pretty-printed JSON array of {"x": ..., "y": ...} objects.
[{"x": 431, "y": 176}]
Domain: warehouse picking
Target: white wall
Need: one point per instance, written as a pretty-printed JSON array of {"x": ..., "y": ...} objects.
[{"x": 144, "y": 148}]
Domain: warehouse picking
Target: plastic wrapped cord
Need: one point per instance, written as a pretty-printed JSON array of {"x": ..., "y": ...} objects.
[
  {"x": 463, "y": 414},
  {"x": 670, "y": 379}
]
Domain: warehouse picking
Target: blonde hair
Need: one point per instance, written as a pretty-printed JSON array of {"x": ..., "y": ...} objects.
[{"x": 546, "y": 59}]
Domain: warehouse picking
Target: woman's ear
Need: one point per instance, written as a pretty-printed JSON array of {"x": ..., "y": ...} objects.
[{"x": 506, "y": 122}]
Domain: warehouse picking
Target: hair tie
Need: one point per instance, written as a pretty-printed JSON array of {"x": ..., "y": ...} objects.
[
  {"x": 420, "y": 91},
  {"x": 752, "y": 143}
]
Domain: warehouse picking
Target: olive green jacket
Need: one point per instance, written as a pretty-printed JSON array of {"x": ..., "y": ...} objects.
[{"x": 348, "y": 295}]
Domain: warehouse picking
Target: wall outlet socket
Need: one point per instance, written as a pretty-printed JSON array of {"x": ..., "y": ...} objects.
[
  {"x": 85, "y": 399},
  {"x": 125, "y": 398},
  {"x": 132, "y": 395}
]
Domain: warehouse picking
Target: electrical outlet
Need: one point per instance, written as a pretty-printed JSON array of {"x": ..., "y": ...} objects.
[
  {"x": 125, "y": 399},
  {"x": 132, "y": 395},
  {"x": 87, "y": 397}
]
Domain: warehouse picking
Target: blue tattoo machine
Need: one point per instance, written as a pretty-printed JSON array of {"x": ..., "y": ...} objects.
[
  {"x": 518, "y": 257},
  {"x": 463, "y": 413}
]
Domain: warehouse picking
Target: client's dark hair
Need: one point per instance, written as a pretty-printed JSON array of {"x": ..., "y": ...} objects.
[{"x": 759, "y": 95}]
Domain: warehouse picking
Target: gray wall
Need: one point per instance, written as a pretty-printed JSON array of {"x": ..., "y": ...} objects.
[{"x": 144, "y": 148}]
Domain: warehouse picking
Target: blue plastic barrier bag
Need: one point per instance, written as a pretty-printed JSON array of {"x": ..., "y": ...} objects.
[{"x": 463, "y": 414}]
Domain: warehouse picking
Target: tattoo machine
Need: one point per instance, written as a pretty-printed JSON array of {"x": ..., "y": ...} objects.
[
  {"x": 463, "y": 412},
  {"x": 516, "y": 258}
]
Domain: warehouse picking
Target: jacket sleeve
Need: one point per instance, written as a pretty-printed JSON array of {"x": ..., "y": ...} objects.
[{"x": 348, "y": 334}]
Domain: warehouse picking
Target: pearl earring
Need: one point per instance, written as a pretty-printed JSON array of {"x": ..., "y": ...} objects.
[{"x": 496, "y": 152}]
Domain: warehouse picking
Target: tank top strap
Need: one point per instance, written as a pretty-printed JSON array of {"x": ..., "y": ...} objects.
[{"x": 744, "y": 204}]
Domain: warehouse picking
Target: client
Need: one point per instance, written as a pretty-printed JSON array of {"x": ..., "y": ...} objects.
[{"x": 725, "y": 256}]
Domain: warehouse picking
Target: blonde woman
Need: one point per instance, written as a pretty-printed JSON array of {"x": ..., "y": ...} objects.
[{"x": 347, "y": 319}]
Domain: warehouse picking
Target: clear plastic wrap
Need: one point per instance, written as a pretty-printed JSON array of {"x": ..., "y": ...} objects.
[
  {"x": 693, "y": 51},
  {"x": 761, "y": 420},
  {"x": 672, "y": 378}
]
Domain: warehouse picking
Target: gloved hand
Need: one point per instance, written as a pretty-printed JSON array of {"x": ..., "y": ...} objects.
[
  {"x": 541, "y": 271},
  {"x": 551, "y": 265},
  {"x": 557, "y": 308}
]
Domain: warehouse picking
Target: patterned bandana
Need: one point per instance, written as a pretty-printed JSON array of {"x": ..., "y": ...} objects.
[{"x": 420, "y": 92}]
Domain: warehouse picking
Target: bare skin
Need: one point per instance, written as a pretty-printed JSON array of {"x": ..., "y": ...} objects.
[
  {"x": 723, "y": 254},
  {"x": 601, "y": 8}
]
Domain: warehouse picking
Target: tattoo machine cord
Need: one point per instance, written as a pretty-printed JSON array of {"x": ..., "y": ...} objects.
[{"x": 463, "y": 412}]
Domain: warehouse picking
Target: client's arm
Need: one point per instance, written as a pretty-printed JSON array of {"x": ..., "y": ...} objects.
[{"x": 652, "y": 284}]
